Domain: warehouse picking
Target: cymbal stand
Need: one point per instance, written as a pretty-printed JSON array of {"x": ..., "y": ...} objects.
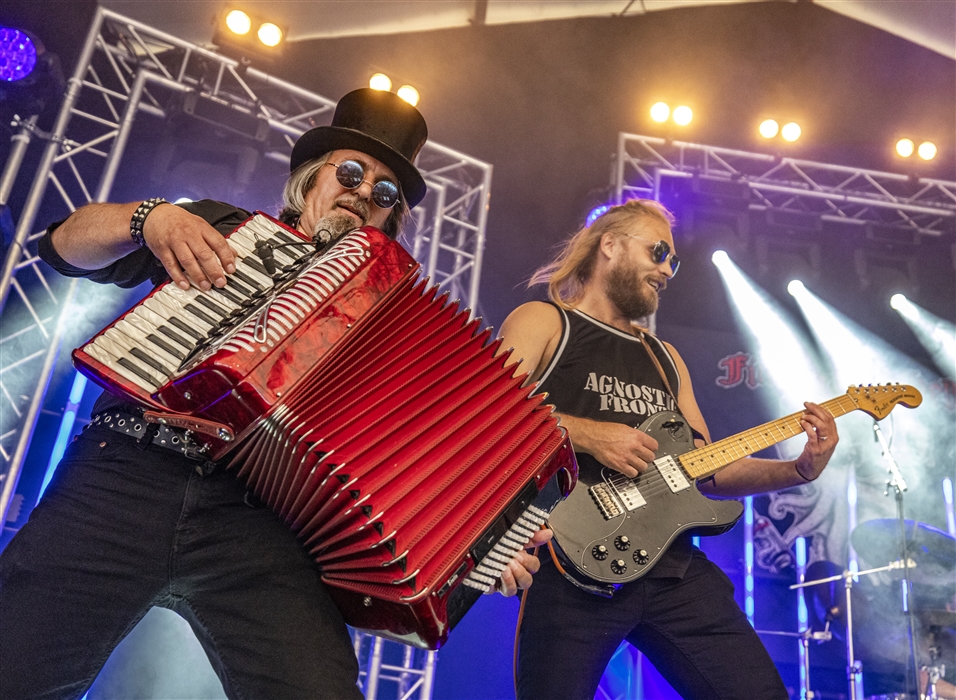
[
  {"x": 805, "y": 636},
  {"x": 854, "y": 668},
  {"x": 896, "y": 482}
]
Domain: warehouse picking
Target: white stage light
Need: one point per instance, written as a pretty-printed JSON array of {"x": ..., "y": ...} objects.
[
  {"x": 269, "y": 34},
  {"x": 380, "y": 81},
  {"x": 935, "y": 334},
  {"x": 409, "y": 94},
  {"x": 239, "y": 22},
  {"x": 683, "y": 115},
  {"x": 795, "y": 287},
  {"x": 660, "y": 111},
  {"x": 784, "y": 355},
  {"x": 768, "y": 128}
]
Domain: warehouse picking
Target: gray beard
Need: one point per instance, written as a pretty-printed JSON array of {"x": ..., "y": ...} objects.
[
  {"x": 633, "y": 303},
  {"x": 332, "y": 227}
]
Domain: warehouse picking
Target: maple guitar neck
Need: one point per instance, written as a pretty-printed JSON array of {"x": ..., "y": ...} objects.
[{"x": 707, "y": 460}]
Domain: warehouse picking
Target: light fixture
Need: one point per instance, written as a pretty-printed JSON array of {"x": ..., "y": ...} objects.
[
  {"x": 768, "y": 128},
  {"x": 596, "y": 213},
  {"x": 660, "y": 111},
  {"x": 238, "y": 22},
  {"x": 790, "y": 132},
  {"x": 249, "y": 38},
  {"x": 927, "y": 150},
  {"x": 380, "y": 81},
  {"x": 409, "y": 94},
  {"x": 269, "y": 34},
  {"x": 905, "y": 147},
  {"x": 18, "y": 54},
  {"x": 683, "y": 115}
]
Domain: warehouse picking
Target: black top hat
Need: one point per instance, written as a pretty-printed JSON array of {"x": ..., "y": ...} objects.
[{"x": 378, "y": 123}]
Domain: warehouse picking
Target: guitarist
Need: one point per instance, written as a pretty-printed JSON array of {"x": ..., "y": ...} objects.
[{"x": 606, "y": 375}]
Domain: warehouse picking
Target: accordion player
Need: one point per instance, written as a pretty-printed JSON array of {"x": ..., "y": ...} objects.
[{"x": 372, "y": 415}]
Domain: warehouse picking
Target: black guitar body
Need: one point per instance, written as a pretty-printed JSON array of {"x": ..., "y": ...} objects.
[{"x": 654, "y": 508}]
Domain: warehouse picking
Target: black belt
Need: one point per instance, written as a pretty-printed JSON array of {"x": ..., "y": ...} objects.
[{"x": 176, "y": 439}]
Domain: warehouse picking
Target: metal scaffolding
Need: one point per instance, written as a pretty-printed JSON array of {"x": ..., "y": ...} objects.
[
  {"x": 787, "y": 186},
  {"x": 127, "y": 69}
]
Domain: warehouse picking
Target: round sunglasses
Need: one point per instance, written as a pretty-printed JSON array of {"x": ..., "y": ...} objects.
[
  {"x": 351, "y": 175},
  {"x": 660, "y": 252}
]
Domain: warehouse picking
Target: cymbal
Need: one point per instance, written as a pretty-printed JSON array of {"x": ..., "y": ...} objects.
[{"x": 934, "y": 551}]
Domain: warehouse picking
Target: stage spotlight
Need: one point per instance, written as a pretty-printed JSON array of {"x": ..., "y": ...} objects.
[
  {"x": 683, "y": 115},
  {"x": 795, "y": 287},
  {"x": 779, "y": 349},
  {"x": 927, "y": 150},
  {"x": 596, "y": 213},
  {"x": 897, "y": 301},
  {"x": 380, "y": 81},
  {"x": 409, "y": 94},
  {"x": 235, "y": 38},
  {"x": 905, "y": 148},
  {"x": 239, "y": 22},
  {"x": 790, "y": 132},
  {"x": 18, "y": 54},
  {"x": 660, "y": 112},
  {"x": 30, "y": 76},
  {"x": 768, "y": 128},
  {"x": 269, "y": 34}
]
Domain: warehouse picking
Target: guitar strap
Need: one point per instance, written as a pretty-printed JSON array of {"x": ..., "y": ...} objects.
[
  {"x": 667, "y": 385},
  {"x": 657, "y": 364}
]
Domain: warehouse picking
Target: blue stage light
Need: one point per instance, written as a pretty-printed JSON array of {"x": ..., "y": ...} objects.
[
  {"x": 18, "y": 54},
  {"x": 597, "y": 213}
]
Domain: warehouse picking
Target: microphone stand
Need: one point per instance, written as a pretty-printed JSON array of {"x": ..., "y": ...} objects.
[{"x": 896, "y": 482}]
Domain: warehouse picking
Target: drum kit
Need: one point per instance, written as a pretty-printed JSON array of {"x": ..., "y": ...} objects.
[{"x": 899, "y": 619}]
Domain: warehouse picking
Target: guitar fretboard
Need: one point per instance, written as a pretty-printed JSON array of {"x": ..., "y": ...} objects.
[{"x": 711, "y": 458}]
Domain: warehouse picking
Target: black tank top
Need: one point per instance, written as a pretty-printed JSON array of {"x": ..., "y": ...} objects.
[{"x": 605, "y": 374}]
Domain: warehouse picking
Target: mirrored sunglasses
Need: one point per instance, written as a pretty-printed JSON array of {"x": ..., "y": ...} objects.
[
  {"x": 351, "y": 175},
  {"x": 660, "y": 252}
]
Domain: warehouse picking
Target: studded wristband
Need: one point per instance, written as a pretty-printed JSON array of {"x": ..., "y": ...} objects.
[{"x": 139, "y": 218}]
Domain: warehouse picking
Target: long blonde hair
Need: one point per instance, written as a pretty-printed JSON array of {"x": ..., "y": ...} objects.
[{"x": 568, "y": 273}]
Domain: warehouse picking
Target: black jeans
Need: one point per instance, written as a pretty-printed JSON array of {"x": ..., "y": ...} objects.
[
  {"x": 691, "y": 629},
  {"x": 120, "y": 530}
]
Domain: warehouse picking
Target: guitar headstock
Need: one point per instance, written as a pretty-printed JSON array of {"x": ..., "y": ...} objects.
[{"x": 878, "y": 400}]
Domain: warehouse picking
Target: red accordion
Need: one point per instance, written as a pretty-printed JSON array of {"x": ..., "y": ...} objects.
[{"x": 370, "y": 414}]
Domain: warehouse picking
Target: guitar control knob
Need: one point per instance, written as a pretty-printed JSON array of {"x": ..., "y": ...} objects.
[
  {"x": 599, "y": 552},
  {"x": 640, "y": 556},
  {"x": 622, "y": 542},
  {"x": 618, "y": 566}
]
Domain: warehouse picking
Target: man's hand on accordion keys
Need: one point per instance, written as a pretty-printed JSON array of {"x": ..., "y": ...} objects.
[
  {"x": 191, "y": 250},
  {"x": 518, "y": 574}
]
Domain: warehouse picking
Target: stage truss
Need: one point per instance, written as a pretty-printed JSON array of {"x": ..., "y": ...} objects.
[{"x": 787, "y": 186}]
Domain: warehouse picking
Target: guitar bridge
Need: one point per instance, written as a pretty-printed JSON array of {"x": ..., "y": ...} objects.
[
  {"x": 605, "y": 501},
  {"x": 672, "y": 473}
]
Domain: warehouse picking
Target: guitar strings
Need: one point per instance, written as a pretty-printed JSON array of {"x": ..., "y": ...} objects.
[{"x": 652, "y": 482}]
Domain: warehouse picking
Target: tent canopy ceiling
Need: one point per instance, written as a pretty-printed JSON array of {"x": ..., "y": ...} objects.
[{"x": 929, "y": 23}]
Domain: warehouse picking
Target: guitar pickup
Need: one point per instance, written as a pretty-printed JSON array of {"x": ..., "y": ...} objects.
[
  {"x": 672, "y": 473},
  {"x": 606, "y": 503},
  {"x": 630, "y": 495}
]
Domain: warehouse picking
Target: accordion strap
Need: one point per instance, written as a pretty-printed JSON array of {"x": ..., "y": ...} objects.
[{"x": 196, "y": 425}]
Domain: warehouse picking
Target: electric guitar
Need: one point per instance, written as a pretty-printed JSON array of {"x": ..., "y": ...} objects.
[{"x": 613, "y": 529}]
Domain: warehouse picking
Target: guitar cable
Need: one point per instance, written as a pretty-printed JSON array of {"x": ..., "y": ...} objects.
[{"x": 524, "y": 599}]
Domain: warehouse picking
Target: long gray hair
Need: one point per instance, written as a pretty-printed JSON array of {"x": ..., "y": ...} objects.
[{"x": 302, "y": 180}]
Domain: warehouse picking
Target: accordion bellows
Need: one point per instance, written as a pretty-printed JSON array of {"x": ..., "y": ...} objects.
[{"x": 376, "y": 420}]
